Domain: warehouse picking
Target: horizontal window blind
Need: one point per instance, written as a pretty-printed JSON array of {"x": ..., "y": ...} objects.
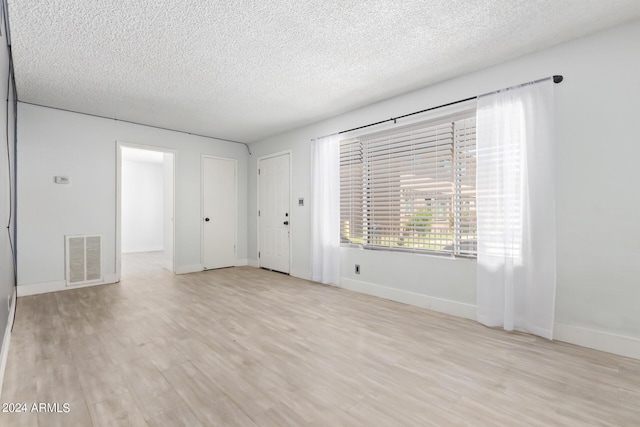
[
  {"x": 351, "y": 186},
  {"x": 465, "y": 157},
  {"x": 411, "y": 189}
]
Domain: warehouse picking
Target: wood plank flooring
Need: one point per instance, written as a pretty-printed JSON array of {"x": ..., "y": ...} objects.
[{"x": 245, "y": 347}]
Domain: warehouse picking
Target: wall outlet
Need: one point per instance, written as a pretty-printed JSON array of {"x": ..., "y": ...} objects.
[{"x": 357, "y": 268}]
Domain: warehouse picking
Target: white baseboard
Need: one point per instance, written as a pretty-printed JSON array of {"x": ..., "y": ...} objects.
[
  {"x": 185, "y": 269},
  {"x": 143, "y": 249},
  {"x": 598, "y": 340},
  {"x": 254, "y": 263},
  {"x": 585, "y": 337},
  {"x": 300, "y": 274},
  {"x": 4, "y": 354},
  {"x": 60, "y": 285},
  {"x": 41, "y": 288},
  {"x": 468, "y": 311}
]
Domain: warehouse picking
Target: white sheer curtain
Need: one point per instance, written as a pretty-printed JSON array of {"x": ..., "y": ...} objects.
[
  {"x": 325, "y": 210},
  {"x": 516, "y": 209}
]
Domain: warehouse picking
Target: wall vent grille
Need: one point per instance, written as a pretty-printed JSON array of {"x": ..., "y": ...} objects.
[{"x": 83, "y": 259}]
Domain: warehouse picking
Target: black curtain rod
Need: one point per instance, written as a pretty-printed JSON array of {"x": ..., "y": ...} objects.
[{"x": 556, "y": 79}]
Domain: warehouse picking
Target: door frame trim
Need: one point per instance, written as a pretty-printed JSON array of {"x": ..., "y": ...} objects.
[
  {"x": 291, "y": 215},
  {"x": 235, "y": 183},
  {"x": 119, "y": 146}
]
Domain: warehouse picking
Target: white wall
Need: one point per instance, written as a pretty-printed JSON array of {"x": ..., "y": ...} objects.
[
  {"x": 598, "y": 202},
  {"x": 167, "y": 206},
  {"x": 142, "y": 206},
  {"x": 53, "y": 142}
]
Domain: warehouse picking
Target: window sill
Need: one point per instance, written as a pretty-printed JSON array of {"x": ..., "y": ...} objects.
[{"x": 435, "y": 254}]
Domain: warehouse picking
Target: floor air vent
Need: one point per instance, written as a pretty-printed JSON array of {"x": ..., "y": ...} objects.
[{"x": 84, "y": 259}]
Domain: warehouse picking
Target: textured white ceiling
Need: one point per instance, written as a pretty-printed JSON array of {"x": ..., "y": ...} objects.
[{"x": 245, "y": 70}]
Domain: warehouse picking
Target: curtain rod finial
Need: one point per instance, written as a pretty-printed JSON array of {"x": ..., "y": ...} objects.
[{"x": 557, "y": 78}]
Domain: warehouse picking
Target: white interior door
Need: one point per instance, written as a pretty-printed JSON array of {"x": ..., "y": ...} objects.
[
  {"x": 274, "y": 212},
  {"x": 219, "y": 212}
]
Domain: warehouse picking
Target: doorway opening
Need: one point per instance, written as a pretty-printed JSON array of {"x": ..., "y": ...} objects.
[{"x": 145, "y": 210}]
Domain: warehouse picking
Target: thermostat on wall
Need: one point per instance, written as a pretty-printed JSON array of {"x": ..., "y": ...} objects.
[{"x": 61, "y": 179}]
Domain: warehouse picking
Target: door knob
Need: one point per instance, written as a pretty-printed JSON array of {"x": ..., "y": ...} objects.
[
  {"x": 286, "y": 223},
  {"x": 206, "y": 219}
]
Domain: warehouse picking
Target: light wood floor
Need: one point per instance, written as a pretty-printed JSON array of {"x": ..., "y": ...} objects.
[{"x": 244, "y": 346}]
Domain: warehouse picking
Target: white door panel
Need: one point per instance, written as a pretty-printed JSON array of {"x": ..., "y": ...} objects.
[
  {"x": 219, "y": 212},
  {"x": 274, "y": 214}
]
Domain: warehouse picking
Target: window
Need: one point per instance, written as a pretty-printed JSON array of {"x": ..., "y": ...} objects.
[{"x": 411, "y": 188}]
